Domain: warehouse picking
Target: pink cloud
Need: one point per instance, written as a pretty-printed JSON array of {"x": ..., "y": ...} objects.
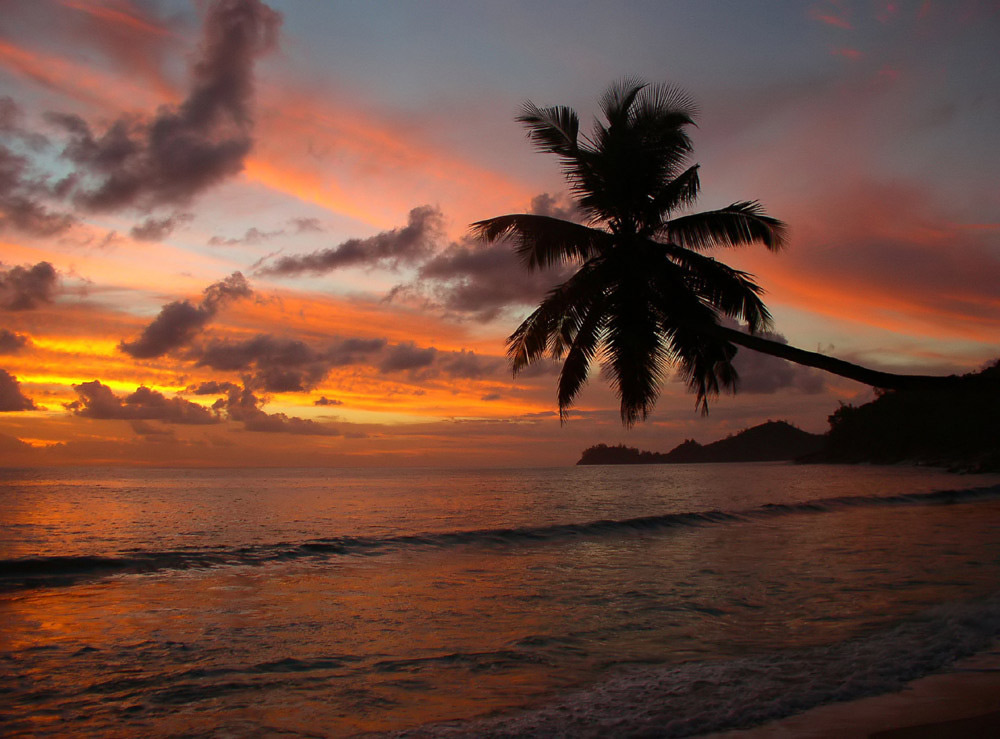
[
  {"x": 889, "y": 74},
  {"x": 829, "y": 18},
  {"x": 129, "y": 36},
  {"x": 847, "y": 53},
  {"x": 896, "y": 262},
  {"x": 887, "y": 11}
]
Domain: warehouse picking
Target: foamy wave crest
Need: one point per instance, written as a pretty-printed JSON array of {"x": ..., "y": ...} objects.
[
  {"x": 701, "y": 697},
  {"x": 26, "y": 572}
]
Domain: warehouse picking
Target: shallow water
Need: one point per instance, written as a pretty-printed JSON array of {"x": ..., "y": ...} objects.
[{"x": 330, "y": 603}]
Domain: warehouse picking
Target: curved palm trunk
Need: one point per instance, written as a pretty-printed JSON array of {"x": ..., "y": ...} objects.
[{"x": 884, "y": 380}]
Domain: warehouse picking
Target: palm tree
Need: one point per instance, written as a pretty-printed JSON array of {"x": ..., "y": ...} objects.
[{"x": 646, "y": 298}]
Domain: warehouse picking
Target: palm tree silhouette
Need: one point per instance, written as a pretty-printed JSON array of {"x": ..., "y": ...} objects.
[{"x": 645, "y": 297}]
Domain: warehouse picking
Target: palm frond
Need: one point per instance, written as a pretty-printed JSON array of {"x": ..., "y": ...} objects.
[
  {"x": 680, "y": 192},
  {"x": 686, "y": 320},
  {"x": 705, "y": 362},
  {"x": 635, "y": 357},
  {"x": 529, "y": 339},
  {"x": 555, "y": 323},
  {"x": 543, "y": 241},
  {"x": 552, "y": 129},
  {"x": 739, "y": 224},
  {"x": 661, "y": 101},
  {"x": 730, "y": 291},
  {"x": 617, "y": 100},
  {"x": 581, "y": 353}
]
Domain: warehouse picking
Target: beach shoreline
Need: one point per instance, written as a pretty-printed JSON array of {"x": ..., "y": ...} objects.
[{"x": 961, "y": 701}]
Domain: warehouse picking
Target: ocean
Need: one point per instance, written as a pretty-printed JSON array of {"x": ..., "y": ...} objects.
[{"x": 666, "y": 600}]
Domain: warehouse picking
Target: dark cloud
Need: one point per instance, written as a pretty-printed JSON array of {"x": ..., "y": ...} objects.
[
  {"x": 473, "y": 279},
  {"x": 187, "y": 148},
  {"x": 243, "y": 406},
  {"x": 283, "y": 365},
  {"x": 544, "y": 367},
  {"x": 327, "y": 401},
  {"x": 556, "y": 206},
  {"x": 284, "y": 424},
  {"x": 12, "y": 125},
  {"x": 407, "y": 356},
  {"x": 428, "y": 362},
  {"x": 96, "y": 400},
  {"x": 212, "y": 388},
  {"x": 234, "y": 287},
  {"x": 176, "y": 325},
  {"x": 480, "y": 281},
  {"x": 179, "y": 322},
  {"x": 23, "y": 199},
  {"x": 762, "y": 374},
  {"x": 254, "y": 235},
  {"x": 468, "y": 365},
  {"x": 24, "y": 288},
  {"x": 12, "y": 342},
  {"x": 157, "y": 229},
  {"x": 11, "y": 444},
  {"x": 11, "y": 397},
  {"x": 388, "y": 249},
  {"x": 354, "y": 351},
  {"x": 153, "y": 431},
  {"x": 307, "y": 225},
  {"x": 239, "y": 404}
]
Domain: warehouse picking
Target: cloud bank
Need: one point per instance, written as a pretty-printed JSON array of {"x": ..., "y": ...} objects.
[{"x": 97, "y": 400}]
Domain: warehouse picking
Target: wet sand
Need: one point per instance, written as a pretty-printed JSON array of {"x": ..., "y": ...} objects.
[{"x": 963, "y": 702}]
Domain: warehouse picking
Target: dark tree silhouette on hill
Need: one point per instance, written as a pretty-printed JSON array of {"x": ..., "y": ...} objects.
[{"x": 646, "y": 297}]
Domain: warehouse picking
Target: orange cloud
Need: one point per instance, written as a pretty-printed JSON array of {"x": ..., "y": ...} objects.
[
  {"x": 316, "y": 317},
  {"x": 873, "y": 305},
  {"x": 330, "y": 154},
  {"x": 311, "y": 187}
]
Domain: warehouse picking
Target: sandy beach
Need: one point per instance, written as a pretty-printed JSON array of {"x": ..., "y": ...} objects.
[{"x": 963, "y": 701}]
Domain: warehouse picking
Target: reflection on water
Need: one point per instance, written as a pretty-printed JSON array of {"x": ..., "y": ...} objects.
[{"x": 389, "y": 639}]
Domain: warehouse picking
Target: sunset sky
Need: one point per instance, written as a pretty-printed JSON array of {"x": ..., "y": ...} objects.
[{"x": 237, "y": 233}]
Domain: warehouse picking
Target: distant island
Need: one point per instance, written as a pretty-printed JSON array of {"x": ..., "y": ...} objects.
[
  {"x": 769, "y": 442},
  {"x": 956, "y": 427}
]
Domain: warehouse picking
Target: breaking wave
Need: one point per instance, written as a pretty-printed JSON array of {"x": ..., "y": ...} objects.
[
  {"x": 700, "y": 697},
  {"x": 47, "y": 571}
]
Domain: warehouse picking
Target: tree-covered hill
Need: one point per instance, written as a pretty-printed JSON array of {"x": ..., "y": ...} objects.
[
  {"x": 957, "y": 427},
  {"x": 771, "y": 441}
]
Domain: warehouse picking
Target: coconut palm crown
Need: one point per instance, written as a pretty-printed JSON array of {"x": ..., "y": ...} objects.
[{"x": 645, "y": 298}]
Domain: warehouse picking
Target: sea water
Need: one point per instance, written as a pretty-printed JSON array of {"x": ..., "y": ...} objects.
[{"x": 666, "y": 600}]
